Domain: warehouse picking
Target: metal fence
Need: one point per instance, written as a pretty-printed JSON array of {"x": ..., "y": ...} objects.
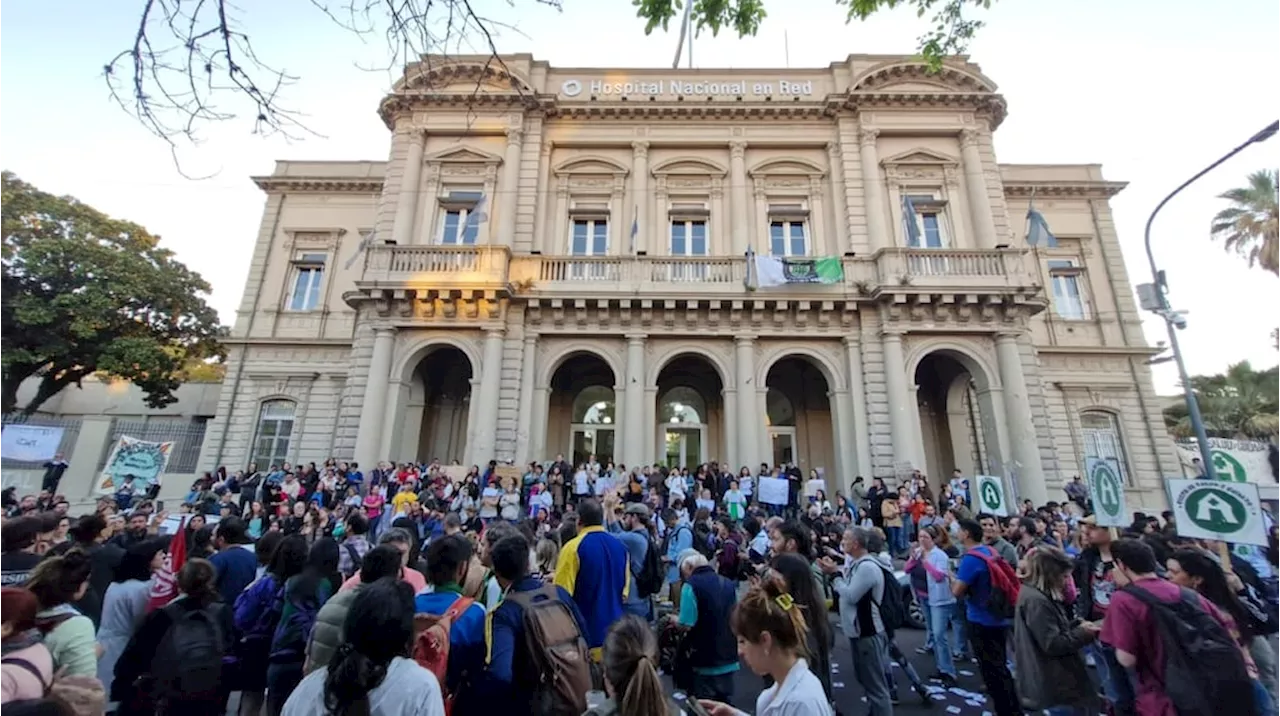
[
  {"x": 70, "y": 431},
  {"x": 188, "y": 438}
]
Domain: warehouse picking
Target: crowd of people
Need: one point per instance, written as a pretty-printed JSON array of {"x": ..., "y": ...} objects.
[{"x": 591, "y": 588}]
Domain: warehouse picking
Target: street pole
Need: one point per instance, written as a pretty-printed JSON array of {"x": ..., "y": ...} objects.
[{"x": 1172, "y": 321}]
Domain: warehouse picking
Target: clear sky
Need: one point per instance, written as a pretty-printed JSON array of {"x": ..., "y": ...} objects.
[{"x": 1152, "y": 89}]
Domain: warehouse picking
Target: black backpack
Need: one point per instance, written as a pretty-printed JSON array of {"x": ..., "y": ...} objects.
[
  {"x": 893, "y": 610},
  {"x": 702, "y": 543},
  {"x": 188, "y": 662},
  {"x": 1204, "y": 671},
  {"x": 652, "y": 576}
]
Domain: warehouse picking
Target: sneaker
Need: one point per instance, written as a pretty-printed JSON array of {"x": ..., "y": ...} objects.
[
  {"x": 946, "y": 680},
  {"x": 926, "y": 700},
  {"x": 924, "y": 650},
  {"x": 893, "y": 697}
]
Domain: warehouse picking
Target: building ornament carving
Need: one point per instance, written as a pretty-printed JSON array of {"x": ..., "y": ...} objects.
[
  {"x": 969, "y": 138},
  {"x": 737, "y": 149},
  {"x": 640, "y": 150},
  {"x": 868, "y": 136},
  {"x": 514, "y": 136}
]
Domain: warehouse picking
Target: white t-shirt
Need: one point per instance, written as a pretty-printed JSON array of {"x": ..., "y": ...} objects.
[
  {"x": 581, "y": 484},
  {"x": 406, "y": 690},
  {"x": 675, "y": 486},
  {"x": 489, "y": 502}
]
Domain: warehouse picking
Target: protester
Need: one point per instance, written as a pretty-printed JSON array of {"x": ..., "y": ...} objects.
[
  {"x": 631, "y": 678},
  {"x": 988, "y": 630},
  {"x": 594, "y": 568},
  {"x": 57, "y": 582},
  {"x": 27, "y": 667},
  {"x": 125, "y": 604},
  {"x": 1048, "y": 648}
]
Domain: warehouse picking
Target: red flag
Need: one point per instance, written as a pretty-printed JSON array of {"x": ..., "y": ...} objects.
[{"x": 164, "y": 584}]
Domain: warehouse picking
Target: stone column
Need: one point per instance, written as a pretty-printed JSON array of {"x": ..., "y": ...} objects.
[
  {"x": 538, "y": 428},
  {"x": 544, "y": 191},
  {"x": 524, "y": 413},
  {"x": 402, "y": 231},
  {"x": 901, "y": 430},
  {"x": 984, "y": 224},
  {"x": 839, "y": 208},
  {"x": 873, "y": 190},
  {"x": 633, "y": 403},
  {"x": 487, "y": 402},
  {"x": 729, "y": 449},
  {"x": 558, "y": 245},
  {"x": 739, "y": 205},
  {"x": 1022, "y": 431},
  {"x": 508, "y": 188},
  {"x": 820, "y": 243},
  {"x": 369, "y": 433},
  {"x": 858, "y": 402},
  {"x": 639, "y": 198},
  {"x": 745, "y": 372}
]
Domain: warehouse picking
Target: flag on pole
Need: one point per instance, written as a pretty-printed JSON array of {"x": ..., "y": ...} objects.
[
  {"x": 474, "y": 219},
  {"x": 360, "y": 249},
  {"x": 909, "y": 217},
  {"x": 1038, "y": 233},
  {"x": 635, "y": 227},
  {"x": 767, "y": 271},
  {"x": 164, "y": 585}
]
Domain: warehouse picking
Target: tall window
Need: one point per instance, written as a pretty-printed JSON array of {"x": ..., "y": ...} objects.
[
  {"x": 1100, "y": 433},
  {"x": 308, "y": 282},
  {"x": 688, "y": 237},
  {"x": 788, "y": 238},
  {"x": 462, "y": 216},
  {"x": 683, "y": 405},
  {"x": 930, "y": 222},
  {"x": 1068, "y": 300},
  {"x": 275, "y": 430},
  {"x": 590, "y": 237}
]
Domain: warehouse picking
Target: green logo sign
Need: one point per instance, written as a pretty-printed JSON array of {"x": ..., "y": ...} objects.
[
  {"x": 1107, "y": 490},
  {"x": 1217, "y": 510},
  {"x": 1227, "y": 467},
  {"x": 992, "y": 500}
]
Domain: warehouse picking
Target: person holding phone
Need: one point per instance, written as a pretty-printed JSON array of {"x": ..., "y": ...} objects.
[
  {"x": 1048, "y": 645},
  {"x": 632, "y": 686}
]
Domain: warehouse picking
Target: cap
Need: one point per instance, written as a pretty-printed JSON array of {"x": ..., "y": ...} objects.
[
  {"x": 1090, "y": 520},
  {"x": 637, "y": 508}
]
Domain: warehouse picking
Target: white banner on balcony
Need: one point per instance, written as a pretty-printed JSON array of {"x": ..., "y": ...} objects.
[
  {"x": 30, "y": 443},
  {"x": 766, "y": 271}
]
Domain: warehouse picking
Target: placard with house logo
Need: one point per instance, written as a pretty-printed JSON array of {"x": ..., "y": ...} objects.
[
  {"x": 991, "y": 497},
  {"x": 1107, "y": 490},
  {"x": 1219, "y": 510}
]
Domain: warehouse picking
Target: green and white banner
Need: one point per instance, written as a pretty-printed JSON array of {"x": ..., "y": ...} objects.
[
  {"x": 1107, "y": 490},
  {"x": 1218, "y": 510},
  {"x": 991, "y": 496},
  {"x": 766, "y": 271},
  {"x": 1233, "y": 460}
]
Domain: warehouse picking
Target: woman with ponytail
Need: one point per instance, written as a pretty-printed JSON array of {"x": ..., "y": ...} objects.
[
  {"x": 631, "y": 672},
  {"x": 771, "y": 631},
  {"x": 371, "y": 674}
]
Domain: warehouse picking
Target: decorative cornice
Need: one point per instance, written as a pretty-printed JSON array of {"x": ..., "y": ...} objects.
[
  {"x": 1080, "y": 189},
  {"x": 365, "y": 185},
  {"x": 991, "y": 106}
]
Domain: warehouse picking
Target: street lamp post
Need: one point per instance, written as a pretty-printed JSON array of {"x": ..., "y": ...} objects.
[{"x": 1153, "y": 297}]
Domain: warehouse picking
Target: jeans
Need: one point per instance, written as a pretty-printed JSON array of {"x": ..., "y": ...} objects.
[
  {"x": 1117, "y": 684},
  {"x": 894, "y": 535},
  {"x": 960, "y": 630},
  {"x": 989, "y": 647},
  {"x": 941, "y": 618},
  {"x": 868, "y": 669},
  {"x": 923, "y": 601}
]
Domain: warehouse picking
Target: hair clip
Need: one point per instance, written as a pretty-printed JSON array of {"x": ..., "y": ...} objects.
[{"x": 785, "y": 601}]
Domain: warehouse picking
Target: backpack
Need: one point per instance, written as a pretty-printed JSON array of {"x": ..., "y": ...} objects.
[
  {"x": 1003, "y": 596},
  {"x": 702, "y": 543},
  {"x": 84, "y": 694},
  {"x": 652, "y": 576},
  {"x": 893, "y": 609},
  {"x": 356, "y": 560},
  {"x": 1204, "y": 671},
  {"x": 289, "y": 640},
  {"x": 188, "y": 662},
  {"x": 431, "y": 645},
  {"x": 558, "y": 651}
]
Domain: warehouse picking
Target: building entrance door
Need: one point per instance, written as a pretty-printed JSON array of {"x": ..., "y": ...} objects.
[
  {"x": 589, "y": 440},
  {"x": 684, "y": 445},
  {"x": 783, "y": 440}
]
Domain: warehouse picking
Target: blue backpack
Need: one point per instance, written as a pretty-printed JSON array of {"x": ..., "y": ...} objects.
[{"x": 300, "y": 605}]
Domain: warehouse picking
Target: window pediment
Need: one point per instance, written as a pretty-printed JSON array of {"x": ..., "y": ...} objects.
[
  {"x": 919, "y": 155},
  {"x": 897, "y": 76},
  {"x": 696, "y": 166},
  {"x": 592, "y": 165},
  {"x": 783, "y": 166},
  {"x": 463, "y": 155}
]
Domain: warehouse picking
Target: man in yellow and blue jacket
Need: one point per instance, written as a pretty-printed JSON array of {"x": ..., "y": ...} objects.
[{"x": 594, "y": 568}]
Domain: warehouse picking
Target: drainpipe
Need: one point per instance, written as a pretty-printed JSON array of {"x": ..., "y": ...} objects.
[
  {"x": 1124, "y": 336},
  {"x": 253, "y": 313}
]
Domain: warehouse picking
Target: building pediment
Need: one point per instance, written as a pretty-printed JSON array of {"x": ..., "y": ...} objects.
[
  {"x": 919, "y": 155},
  {"x": 787, "y": 165},
  {"x": 911, "y": 77},
  {"x": 690, "y": 165},
  {"x": 591, "y": 165},
  {"x": 463, "y": 155},
  {"x": 452, "y": 77}
]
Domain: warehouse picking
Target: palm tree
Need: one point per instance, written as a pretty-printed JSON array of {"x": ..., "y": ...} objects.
[
  {"x": 1252, "y": 226},
  {"x": 1241, "y": 403}
]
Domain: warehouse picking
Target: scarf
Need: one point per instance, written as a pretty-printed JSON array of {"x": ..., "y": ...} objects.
[{"x": 18, "y": 642}]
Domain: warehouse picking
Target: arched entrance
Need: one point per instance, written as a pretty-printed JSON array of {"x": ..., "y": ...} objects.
[
  {"x": 798, "y": 416},
  {"x": 583, "y": 417},
  {"x": 437, "y": 414},
  {"x": 690, "y": 412},
  {"x": 952, "y": 418}
]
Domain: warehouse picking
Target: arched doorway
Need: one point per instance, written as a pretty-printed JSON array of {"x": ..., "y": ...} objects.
[
  {"x": 951, "y": 418},
  {"x": 583, "y": 415},
  {"x": 798, "y": 415},
  {"x": 437, "y": 415},
  {"x": 690, "y": 412}
]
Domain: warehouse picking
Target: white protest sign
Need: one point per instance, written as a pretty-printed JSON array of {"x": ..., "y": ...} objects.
[
  {"x": 1218, "y": 510},
  {"x": 1107, "y": 490},
  {"x": 30, "y": 443},
  {"x": 772, "y": 491},
  {"x": 991, "y": 496}
]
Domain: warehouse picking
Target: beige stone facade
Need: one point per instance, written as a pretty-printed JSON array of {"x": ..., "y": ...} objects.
[{"x": 554, "y": 261}]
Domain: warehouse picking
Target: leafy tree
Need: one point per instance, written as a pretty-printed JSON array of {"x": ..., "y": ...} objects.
[
  {"x": 85, "y": 293},
  {"x": 190, "y": 62},
  {"x": 1241, "y": 403},
  {"x": 1251, "y": 225}
]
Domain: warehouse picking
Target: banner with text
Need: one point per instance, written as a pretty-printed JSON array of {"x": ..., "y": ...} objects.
[
  {"x": 1219, "y": 510},
  {"x": 767, "y": 271},
  {"x": 1234, "y": 460},
  {"x": 773, "y": 491},
  {"x": 30, "y": 443},
  {"x": 144, "y": 460}
]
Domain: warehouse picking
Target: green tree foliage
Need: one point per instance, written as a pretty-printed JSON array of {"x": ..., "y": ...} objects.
[
  {"x": 1251, "y": 225},
  {"x": 1241, "y": 403},
  {"x": 949, "y": 34},
  {"x": 85, "y": 293}
]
